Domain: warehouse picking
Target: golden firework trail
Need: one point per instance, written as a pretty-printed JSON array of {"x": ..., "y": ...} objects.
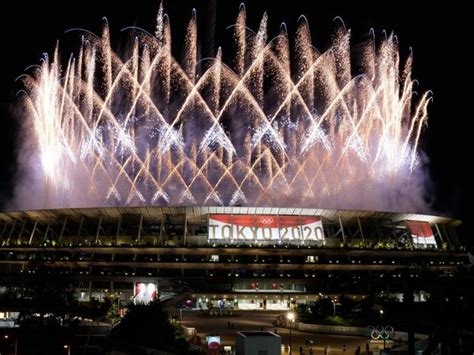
[{"x": 274, "y": 127}]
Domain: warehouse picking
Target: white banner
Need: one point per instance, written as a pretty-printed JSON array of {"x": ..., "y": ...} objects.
[{"x": 265, "y": 228}]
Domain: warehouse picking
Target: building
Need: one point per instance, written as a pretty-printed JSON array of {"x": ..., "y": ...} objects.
[
  {"x": 257, "y": 343},
  {"x": 230, "y": 257}
]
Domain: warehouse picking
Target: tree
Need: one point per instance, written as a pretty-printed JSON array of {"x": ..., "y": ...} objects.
[
  {"x": 148, "y": 325},
  {"x": 346, "y": 305}
]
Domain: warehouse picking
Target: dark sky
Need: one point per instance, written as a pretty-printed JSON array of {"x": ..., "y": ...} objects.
[{"x": 438, "y": 34}]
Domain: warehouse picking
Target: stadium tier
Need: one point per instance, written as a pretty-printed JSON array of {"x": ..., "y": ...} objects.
[{"x": 284, "y": 253}]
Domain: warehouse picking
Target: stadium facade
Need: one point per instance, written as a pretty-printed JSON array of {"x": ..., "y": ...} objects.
[{"x": 264, "y": 258}]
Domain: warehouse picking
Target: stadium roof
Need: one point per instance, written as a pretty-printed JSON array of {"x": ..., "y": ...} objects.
[{"x": 196, "y": 214}]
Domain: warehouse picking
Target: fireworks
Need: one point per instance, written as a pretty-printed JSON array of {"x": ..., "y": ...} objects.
[{"x": 275, "y": 127}]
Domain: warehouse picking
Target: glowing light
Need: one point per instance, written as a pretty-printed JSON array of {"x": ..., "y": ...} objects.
[{"x": 146, "y": 129}]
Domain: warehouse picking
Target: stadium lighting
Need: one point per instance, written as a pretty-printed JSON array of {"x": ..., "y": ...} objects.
[{"x": 291, "y": 316}]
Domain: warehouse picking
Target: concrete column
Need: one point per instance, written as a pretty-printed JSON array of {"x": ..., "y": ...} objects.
[
  {"x": 140, "y": 230},
  {"x": 342, "y": 230},
  {"x": 119, "y": 225},
  {"x": 33, "y": 232},
  {"x": 11, "y": 232},
  {"x": 97, "y": 234},
  {"x": 21, "y": 231},
  {"x": 361, "y": 230},
  {"x": 62, "y": 230},
  {"x": 81, "y": 222}
]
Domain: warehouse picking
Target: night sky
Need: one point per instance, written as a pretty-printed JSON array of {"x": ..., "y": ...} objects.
[{"x": 438, "y": 34}]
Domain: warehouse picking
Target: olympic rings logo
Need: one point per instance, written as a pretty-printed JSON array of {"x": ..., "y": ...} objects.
[
  {"x": 381, "y": 333},
  {"x": 264, "y": 220}
]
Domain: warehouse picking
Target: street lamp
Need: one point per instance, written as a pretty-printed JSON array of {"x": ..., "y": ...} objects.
[
  {"x": 68, "y": 348},
  {"x": 291, "y": 319},
  {"x": 15, "y": 344},
  {"x": 384, "y": 338},
  {"x": 333, "y": 309}
]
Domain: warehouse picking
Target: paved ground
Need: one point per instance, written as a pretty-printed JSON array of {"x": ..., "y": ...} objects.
[{"x": 254, "y": 320}]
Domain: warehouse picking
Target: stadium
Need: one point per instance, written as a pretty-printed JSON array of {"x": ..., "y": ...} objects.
[
  {"x": 243, "y": 257},
  {"x": 270, "y": 128}
]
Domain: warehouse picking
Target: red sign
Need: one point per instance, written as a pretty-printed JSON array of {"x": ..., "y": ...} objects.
[
  {"x": 421, "y": 233},
  {"x": 265, "y": 228}
]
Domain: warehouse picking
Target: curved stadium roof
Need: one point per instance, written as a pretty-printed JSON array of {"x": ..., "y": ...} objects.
[{"x": 196, "y": 214}]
